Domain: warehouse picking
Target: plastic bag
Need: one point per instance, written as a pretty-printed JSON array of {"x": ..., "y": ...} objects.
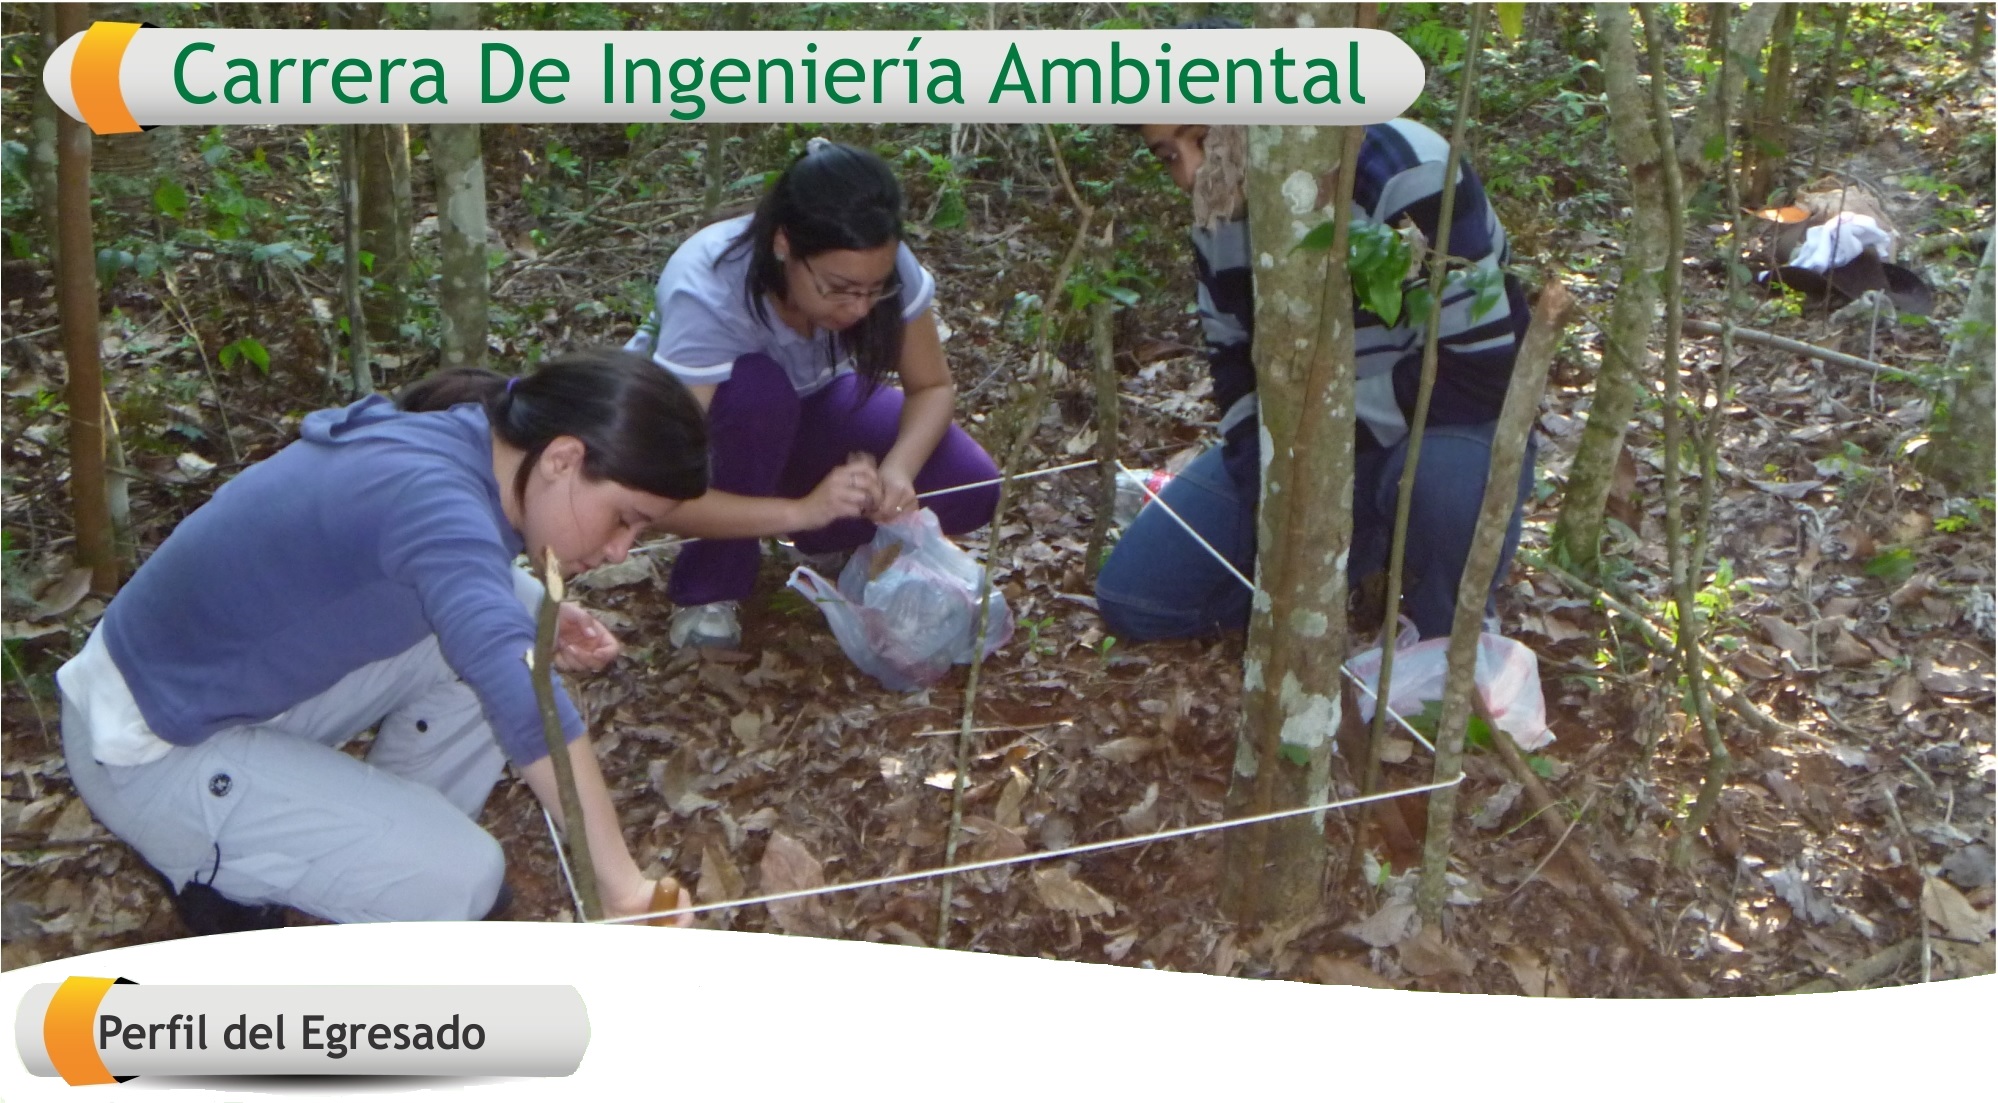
[
  {"x": 906, "y": 606},
  {"x": 1508, "y": 681}
]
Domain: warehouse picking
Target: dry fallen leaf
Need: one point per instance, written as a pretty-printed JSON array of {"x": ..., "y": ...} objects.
[
  {"x": 674, "y": 777},
  {"x": 991, "y": 839},
  {"x": 788, "y": 867},
  {"x": 1425, "y": 954},
  {"x": 1846, "y": 650},
  {"x": 1394, "y": 922},
  {"x": 1783, "y": 635},
  {"x": 720, "y": 879},
  {"x": 751, "y": 729},
  {"x": 1947, "y": 908},
  {"x": 74, "y": 825},
  {"x": 1057, "y": 889},
  {"x": 1902, "y": 695},
  {"x": 1327, "y": 969},
  {"x": 1127, "y": 750},
  {"x": 1751, "y": 665},
  {"x": 61, "y": 595},
  {"x": 1535, "y": 978}
]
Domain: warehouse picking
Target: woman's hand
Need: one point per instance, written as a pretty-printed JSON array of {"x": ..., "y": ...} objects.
[
  {"x": 582, "y": 644},
  {"x": 898, "y": 494},
  {"x": 849, "y": 490},
  {"x": 665, "y": 894}
]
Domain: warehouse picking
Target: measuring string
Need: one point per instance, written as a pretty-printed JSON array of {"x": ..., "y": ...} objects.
[{"x": 1018, "y": 859}]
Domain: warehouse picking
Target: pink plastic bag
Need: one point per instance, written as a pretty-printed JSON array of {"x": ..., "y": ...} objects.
[
  {"x": 1508, "y": 681},
  {"x": 906, "y": 606}
]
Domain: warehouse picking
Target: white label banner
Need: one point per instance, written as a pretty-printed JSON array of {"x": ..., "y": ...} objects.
[
  {"x": 346, "y": 1030},
  {"x": 1321, "y": 76}
]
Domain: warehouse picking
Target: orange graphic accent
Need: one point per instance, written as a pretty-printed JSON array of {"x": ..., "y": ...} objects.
[
  {"x": 93, "y": 78},
  {"x": 67, "y": 1030}
]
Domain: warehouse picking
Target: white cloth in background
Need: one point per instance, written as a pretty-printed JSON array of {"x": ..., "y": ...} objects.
[{"x": 1839, "y": 241}]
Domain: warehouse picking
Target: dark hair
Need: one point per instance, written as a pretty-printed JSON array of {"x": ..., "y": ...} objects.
[
  {"x": 832, "y": 197},
  {"x": 639, "y": 425}
]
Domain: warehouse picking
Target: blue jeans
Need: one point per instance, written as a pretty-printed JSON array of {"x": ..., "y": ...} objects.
[{"x": 1160, "y": 584}]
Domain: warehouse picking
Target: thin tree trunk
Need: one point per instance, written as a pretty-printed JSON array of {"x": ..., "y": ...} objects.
[
  {"x": 1109, "y": 431},
  {"x": 1578, "y": 531},
  {"x": 1740, "y": 41},
  {"x": 1303, "y": 351},
  {"x": 350, "y": 275},
  {"x": 1772, "y": 115},
  {"x": 1691, "y": 652},
  {"x": 42, "y": 138},
  {"x": 382, "y": 173},
  {"x": 383, "y": 162},
  {"x": 1515, "y": 426},
  {"x": 76, "y": 277},
  {"x": 1439, "y": 270},
  {"x": 1961, "y": 455},
  {"x": 458, "y": 160}
]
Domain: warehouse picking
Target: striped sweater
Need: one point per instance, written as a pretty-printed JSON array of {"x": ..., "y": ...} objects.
[{"x": 1400, "y": 174}]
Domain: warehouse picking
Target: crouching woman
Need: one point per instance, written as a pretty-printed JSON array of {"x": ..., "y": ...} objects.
[{"x": 362, "y": 578}]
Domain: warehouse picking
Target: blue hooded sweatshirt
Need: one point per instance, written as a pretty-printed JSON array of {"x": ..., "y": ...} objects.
[{"x": 376, "y": 529}]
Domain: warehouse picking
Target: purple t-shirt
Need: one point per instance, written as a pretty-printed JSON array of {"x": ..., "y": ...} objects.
[
  {"x": 700, "y": 321},
  {"x": 375, "y": 529}
]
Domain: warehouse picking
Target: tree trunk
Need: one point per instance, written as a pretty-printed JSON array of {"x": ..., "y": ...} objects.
[
  {"x": 1960, "y": 455},
  {"x": 382, "y": 167},
  {"x": 1274, "y": 872},
  {"x": 1578, "y": 531},
  {"x": 1743, "y": 39},
  {"x": 350, "y": 271},
  {"x": 42, "y": 147},
  {"x": 76, "y": 277},
  {"x": 382, "y": 151},
  {"x": 1772, "y": 115},
  {"x": 1515, "y": 426},
  {"x": 458, "y": 160}
]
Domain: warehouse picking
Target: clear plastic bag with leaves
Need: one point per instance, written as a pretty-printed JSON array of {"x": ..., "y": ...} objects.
[{"x": 905, "y": 608}]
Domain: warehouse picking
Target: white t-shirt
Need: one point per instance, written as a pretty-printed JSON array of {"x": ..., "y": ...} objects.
[{"x": 701, "y": 322}]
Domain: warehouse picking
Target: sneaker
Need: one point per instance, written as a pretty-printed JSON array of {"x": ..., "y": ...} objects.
[
  {"x": 712, "y": 625},
  {"x": 203, "y": 911}
]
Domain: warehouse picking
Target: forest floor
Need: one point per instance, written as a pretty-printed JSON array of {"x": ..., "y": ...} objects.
[{"x": 1855, "y": 846}]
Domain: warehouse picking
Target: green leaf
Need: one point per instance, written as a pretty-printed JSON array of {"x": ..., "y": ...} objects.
[
  {"x": 1511, "y": 18},
  {"x": 1295, "y": 753},
  {"x": 170, "y": 199},
  {"x": 1892, "y": 566},
  {"x": 247, "y": 348},
  {"x": 1318, "y": 240},
  {"x": 1716, "y": 146},
  {"x": 1541, "y": 765}
]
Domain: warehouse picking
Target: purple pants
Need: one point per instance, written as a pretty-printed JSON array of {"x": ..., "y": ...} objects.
[{"x": 767, "y": 442}]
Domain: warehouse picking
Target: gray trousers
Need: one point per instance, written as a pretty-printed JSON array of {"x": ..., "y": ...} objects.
[{"x": 276, "y": 813}]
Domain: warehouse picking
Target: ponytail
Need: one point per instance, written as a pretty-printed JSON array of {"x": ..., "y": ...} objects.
[{"x": 639, "y": 425}]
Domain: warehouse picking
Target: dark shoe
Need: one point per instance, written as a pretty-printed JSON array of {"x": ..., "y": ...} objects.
[
  {"x": 502, "y": 905},
  {"x": 204, "y": 911}
]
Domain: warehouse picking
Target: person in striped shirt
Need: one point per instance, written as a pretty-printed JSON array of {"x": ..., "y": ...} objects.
[{"x": 1158, "y": 582}]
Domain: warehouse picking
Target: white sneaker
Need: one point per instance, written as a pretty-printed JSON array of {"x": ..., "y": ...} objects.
[{"x": 712, "y": 625}]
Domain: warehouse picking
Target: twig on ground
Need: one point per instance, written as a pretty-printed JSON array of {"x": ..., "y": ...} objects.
[
  {"x": 1578, "y": 858},
  {"x": 1785, "y": 344}
]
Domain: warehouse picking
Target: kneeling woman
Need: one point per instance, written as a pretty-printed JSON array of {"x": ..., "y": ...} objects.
[
  {"x": 362, "y": 577},
  {"x": 784, "y": 324}
]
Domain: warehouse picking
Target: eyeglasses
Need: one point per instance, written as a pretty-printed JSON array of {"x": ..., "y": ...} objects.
[{"x": 835, "y": 295}]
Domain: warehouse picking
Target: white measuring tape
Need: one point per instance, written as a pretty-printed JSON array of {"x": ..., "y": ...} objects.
[
  {"x": 1038, "y": 856},
  {"x": 1152, "y": 498}
]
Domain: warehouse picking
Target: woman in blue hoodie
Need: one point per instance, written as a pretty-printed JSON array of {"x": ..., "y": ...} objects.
[{"x": 362, "y": 578}]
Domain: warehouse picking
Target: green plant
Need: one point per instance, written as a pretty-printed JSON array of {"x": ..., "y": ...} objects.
[
  {"x": 1963, "y": 513},
  {"x": 1034, "y": 627},
  {"x": 1892, "y": 566}
]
